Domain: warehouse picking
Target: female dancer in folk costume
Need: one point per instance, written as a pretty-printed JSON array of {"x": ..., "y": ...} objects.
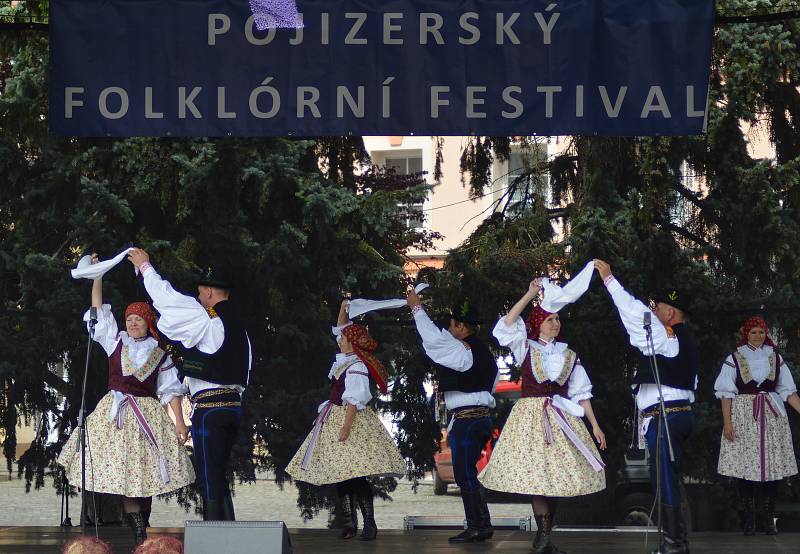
[
  {"x": 348, "y": 442},
  {"x": 545, "y": 449},
  {"x": 756, "y": 444},
  {"x": 132, "y": 447}
]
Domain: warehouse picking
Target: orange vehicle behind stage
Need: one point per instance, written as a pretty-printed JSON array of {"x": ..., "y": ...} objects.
[{"x": 443, "y": 474}]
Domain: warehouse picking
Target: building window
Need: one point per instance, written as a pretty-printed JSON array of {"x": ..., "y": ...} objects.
[
  {"x": 408, "y": 165},
  {"x": 524, "y": 163}
]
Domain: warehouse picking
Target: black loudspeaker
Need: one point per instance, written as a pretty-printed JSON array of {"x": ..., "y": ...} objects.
[{"x": 236, "y": 537}]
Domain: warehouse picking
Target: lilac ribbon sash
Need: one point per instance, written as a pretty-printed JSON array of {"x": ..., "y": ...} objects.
[
  {"x": 129, "y": 401},
  {"x": 561, "y": 420},
  {"x": 761, "y": 402},
  {"x": 312, "y": 445}
]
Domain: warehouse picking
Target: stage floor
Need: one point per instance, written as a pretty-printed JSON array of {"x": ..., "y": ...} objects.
[{"x": 35, "y": 540}]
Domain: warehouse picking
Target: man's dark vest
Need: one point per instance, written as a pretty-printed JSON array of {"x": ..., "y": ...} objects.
[
  {"x": 679, "y": 372},
  {"x": 229, "y": 364},
  {"x": 480, "y": 377}
]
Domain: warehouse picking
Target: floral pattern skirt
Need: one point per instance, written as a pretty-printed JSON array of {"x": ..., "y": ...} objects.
[
  {"x": 121, "y": 461},
  {"x": 523, "y": 463},
  {"x": 741, "y": 458},
  {"x": 368, "y": 451}
]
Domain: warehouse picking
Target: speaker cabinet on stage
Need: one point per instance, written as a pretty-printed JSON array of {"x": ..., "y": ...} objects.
[{"x": 236, "y": 537}]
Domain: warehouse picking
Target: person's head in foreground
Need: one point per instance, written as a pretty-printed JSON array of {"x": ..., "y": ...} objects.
[
  {"x": 160, "y": 545},
  {"x": 86, "y": 545}
]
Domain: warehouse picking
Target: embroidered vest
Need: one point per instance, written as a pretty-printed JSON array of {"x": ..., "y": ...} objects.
[
  {"x": 124, "y": 377},
  {"x": 744, "y": 379},
  {"x": 339, "y": 378},
  {"x": 534, "y": 379}
]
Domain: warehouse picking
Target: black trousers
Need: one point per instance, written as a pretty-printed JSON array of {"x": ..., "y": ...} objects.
[{"x": 214, "y": 431}]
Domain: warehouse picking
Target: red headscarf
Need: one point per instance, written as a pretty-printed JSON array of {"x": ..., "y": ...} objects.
[
  {"x": 364, "y": 346},
  {"x": 143, "y": 310},
  {"x": 535, "y": 320},
  {"x": 749, "y": 325}
]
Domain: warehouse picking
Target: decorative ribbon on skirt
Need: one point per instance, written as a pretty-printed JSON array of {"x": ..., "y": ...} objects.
[
  {"x": 561, "y": 420},
  {"x": 121, "y": 403},
  {"x": 322, "y": 417},
  {"x": 761, "y": 402}
]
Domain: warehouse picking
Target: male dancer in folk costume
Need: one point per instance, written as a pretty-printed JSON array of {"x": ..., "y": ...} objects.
[
  {"x": 678, "y": 359},
  {"x": 217, "y": 364},
  {"x": 468, "y": 374}
]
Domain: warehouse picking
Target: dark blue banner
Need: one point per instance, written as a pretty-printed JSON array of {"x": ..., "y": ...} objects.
[{"x": 380, "y": 67}]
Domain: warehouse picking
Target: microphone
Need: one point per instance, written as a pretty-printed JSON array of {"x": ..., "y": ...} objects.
[
  {"x": 92, "y": 316},
  {"x": 646, "y": 316}
]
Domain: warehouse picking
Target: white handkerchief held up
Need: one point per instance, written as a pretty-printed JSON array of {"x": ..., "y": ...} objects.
[
  {"x": 87, "y": 270},
  {"x": 360, "y": 306},
  {"x": 556, "y": 297}
]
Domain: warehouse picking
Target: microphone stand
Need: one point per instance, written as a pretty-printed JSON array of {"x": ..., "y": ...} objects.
[
  {"x": 663, "y": 426},
  {"x": 82, "y": 419}
]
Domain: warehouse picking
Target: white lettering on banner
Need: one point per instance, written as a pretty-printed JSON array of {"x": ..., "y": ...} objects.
[
  {"x": 188, "y": 102},
  {"x": 612, "y": 111},
  {"x": 579, "y": 101},
  {"x": 311, "y": 103},
  {"x": 475, "y": 33},
  {"x": 504, "y": 28},
  {"x": 472, "y": 102},
  {"x": 655, "y": 103},
  {"x": 436, "y": 102},
  {"x": 547, "y": 26},
  {"x": 690, "y": 111},
  {"x": 511, "y": 101},
  {"x": 213, "y": 30},
  {"x": 71, "y": 102},
  {"x": 222, "y": 113},
  {"x": 548, "y": 99},
  {"x": 389, "y": 28},
  {"x": 430, "y": 26},
  {"x": 297, "y": 39},
  {"x": 265, "y": 89},
  {"x": 149, "y": 112},
  {"x": 360, "y": 18},
  {"x": 123, "y": 102},
  {"x": 250, "y": 31},
  {"x": 356, "y": 108},
  {"x": 425, "y": 27},
  {"x": 264, "y": 101},
  {"x": 386, "y": 98}
]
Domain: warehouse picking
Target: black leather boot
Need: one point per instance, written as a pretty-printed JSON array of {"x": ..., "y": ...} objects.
[
  {"x": 472, "y": 503},
  {"x": 136, "y": 523},
  {"x": 769, "y": 512},
  {"x": 675, "y": 540},
  {"x": 749, "y": 515},
  {"x": 543, "y": 542},
  {"x": 350, "y": 528},
  {"x": 369, "y": 527}
]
